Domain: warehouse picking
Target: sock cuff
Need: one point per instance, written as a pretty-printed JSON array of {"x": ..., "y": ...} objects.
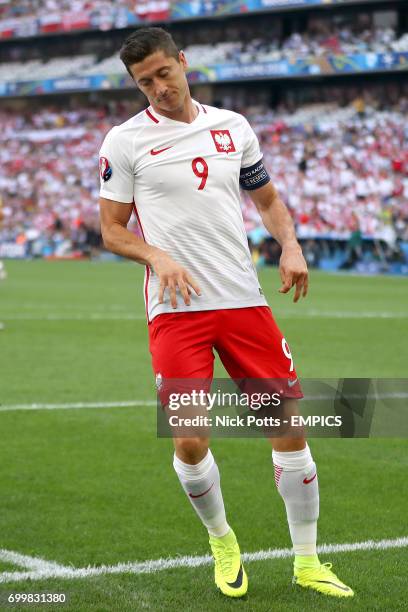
[
  {"x": 293, "y": 460},
  {"x": 194, "y": 472}
]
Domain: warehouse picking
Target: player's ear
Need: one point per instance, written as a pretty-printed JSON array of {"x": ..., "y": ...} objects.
[{"x": 183, "y": 59}]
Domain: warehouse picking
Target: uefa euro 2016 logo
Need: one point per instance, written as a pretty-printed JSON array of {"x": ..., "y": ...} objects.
[{"x": 105, "y": 169}]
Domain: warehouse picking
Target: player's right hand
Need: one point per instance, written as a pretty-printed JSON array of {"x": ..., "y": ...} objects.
[{"x": 173, "y": 276}]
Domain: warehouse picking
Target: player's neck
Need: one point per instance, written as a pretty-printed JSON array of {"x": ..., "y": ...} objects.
[{"x": 186, "y": 114}]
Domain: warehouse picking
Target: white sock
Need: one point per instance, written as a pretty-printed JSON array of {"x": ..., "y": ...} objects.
[
  {"x": 201, "y": 482},
  {"x": 296, "y": 480}
]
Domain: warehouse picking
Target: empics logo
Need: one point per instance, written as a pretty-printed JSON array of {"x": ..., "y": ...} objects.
[
  {"x": 105, "y": 169},
  {"x": 223, "y": 141}
]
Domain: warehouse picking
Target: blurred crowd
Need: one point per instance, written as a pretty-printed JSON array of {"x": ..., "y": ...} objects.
[
  {"x": 339, "y": 169},
  {"x": 12, "y": 9},
  {"x": 238, "y": 41},
  {"x": 343, "y": 173},
  {"x": 334, "y": 164},
  {"x": 297, "y": 46},
  {"x": 263, "y": 38},
  {"x": 320, "y": 42},
  {"x": 49, "y": 187}
]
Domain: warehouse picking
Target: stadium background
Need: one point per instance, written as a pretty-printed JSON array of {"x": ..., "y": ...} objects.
[{"x": 84, "y": 480}]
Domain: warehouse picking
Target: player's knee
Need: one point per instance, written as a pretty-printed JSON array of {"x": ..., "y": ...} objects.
[
  {"x": 285, "y": 445},
  {"x": 191, "y": 450}
]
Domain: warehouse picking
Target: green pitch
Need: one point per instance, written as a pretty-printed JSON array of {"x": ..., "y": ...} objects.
[{"x": 93, "y": 486}]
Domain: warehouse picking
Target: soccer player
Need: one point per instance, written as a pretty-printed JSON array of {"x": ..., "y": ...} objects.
[{"x": 179, "y": 164}]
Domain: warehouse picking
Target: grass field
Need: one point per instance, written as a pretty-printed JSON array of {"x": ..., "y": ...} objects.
[{"x": 92, "y": 487}]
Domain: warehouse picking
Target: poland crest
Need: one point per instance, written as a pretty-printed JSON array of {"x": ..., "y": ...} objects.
[{"x": 223, "y": 141}]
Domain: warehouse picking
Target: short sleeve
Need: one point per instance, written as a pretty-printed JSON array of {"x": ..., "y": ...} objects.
[
  {"x": 115, "y": 171},
  {"x": 251, "y": 151}
]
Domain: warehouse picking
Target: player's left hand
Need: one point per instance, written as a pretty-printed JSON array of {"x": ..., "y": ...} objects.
[{"x": 293, "y": 271}]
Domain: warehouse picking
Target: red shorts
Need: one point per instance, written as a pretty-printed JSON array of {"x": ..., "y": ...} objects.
[{"x": 247, "y": 340}]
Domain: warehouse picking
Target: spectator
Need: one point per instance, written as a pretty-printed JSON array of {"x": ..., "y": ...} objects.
[{"x": 335, "y": 169}]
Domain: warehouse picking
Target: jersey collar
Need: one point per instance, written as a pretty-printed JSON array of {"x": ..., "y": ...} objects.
[{"x": 157, "y": 118}]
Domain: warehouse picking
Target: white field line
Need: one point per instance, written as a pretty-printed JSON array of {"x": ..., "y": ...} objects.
[
  {"x": 92, "y": 316},
  {"x": 358, "y": 396},
  {"x": 32, "y": 563},
  {"x": 35, "y": 306},
  {"x": 157, "y": 565},
  {"x": 77, "y": 405},
  {"x": 152, "y": 402},
  {"x": 112, "y": 316}
]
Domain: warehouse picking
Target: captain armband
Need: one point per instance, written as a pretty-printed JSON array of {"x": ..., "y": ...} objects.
[{"x": 254, "y": 176}]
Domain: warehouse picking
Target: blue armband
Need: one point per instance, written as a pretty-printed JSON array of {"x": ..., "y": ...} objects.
[{"x": 253, "y": 177}]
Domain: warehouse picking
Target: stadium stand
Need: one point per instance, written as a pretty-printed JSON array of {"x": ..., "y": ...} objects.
[
  {"x": 323, "y": 37},
  {"x": 337, "y": 154},
  {"x": 42, "y": 9},
  {"x": 331, "y": 165}
]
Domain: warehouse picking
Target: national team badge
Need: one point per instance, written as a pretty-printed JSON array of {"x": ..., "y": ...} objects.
[
  {"x": 105, "y": 169},
  {"x": 223, "y": 141}
]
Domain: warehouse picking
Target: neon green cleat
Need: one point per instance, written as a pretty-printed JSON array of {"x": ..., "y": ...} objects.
[
  {"x": 230, "y": 576},
  {"x": 323, "y": 580}
]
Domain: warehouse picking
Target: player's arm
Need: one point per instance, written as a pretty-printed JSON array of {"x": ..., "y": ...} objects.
[
  {"x": 117, "y": 238},
  {"x": 277, "y": 220},
  {"x": 275, "y": 216}
]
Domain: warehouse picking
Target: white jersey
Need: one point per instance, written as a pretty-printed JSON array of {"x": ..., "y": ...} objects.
[{"x": 184, "y": 181}]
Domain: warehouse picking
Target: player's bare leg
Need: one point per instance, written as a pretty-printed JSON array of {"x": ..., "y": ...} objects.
[{"x": 296, "y": 480}]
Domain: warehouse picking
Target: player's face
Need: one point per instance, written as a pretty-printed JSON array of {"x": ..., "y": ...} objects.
[{"x": 163, "y": 80}]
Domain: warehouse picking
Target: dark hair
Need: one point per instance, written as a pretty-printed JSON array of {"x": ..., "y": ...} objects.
[{"x": 144, "y": 42}]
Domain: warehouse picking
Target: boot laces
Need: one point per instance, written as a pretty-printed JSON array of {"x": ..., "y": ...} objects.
[{"x": 223, "y": 555}]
